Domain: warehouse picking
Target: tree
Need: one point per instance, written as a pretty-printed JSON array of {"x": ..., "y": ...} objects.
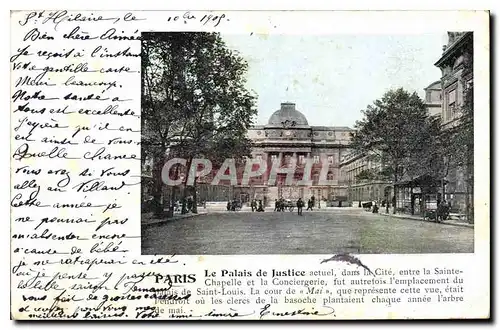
[
  {"x": 395, "y": 129},
  {"x": 198, "y": 105},
  {"x": 162, "y": 118},
  {"x": 366, "y": 175}
]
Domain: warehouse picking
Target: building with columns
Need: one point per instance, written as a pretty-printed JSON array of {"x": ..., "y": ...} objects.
[{"x": 288, "y": 137}]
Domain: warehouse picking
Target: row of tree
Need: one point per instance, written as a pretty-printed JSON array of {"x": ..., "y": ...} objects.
[
  {"x": 194, "y": 103},
  {"x": 398, "y": 132}
]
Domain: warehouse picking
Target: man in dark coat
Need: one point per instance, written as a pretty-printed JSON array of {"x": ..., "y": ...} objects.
[
  {"x": 300, "y": 205},
  {"x": 261, "y": 208},
  {"x": 309, "y": 205}
]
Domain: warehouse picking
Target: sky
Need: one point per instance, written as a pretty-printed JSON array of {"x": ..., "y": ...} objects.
[{"x": 331, "y": 78}]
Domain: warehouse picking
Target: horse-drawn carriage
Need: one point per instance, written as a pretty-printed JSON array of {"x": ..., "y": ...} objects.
[
  {"x": 288, "y": 205},
  {"x": 234, "y": 205},
  {"x": 367, "y": 205}
]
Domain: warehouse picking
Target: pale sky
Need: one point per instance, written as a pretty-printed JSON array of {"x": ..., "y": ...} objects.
[{"x": 332, "y": 77}]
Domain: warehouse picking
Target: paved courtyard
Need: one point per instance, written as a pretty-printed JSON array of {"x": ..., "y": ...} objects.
[{"x": 316, "y": 232}]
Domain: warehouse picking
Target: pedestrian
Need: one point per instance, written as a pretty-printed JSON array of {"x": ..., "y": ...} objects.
[
  {"x": 300, "y": 204},
  {"x": 228, "y": 206},
  {"x": 276, "y": 205},
  {"x": 309, "y": 205},
  {"x": 251, "y": 205},
  {"x": 261, "y": 208}
]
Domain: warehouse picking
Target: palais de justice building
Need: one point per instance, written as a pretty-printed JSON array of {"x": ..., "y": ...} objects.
[{"x": 288, "y": 135}]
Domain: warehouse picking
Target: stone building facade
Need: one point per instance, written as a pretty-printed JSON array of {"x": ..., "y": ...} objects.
[
  {"x": 288, "y": 137},
  {"x": 363, "y": 190},
  {"x": 454, "y": 81}
]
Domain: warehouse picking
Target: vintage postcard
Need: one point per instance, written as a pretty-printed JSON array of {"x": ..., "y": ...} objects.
[{"x": 249, "y": 165}]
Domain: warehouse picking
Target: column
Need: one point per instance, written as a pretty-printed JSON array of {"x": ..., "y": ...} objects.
[
  {"x": 280, "y": 157},
  {"x": 265, "y": 176}
]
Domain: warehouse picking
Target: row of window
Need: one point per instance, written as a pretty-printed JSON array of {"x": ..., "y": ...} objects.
[{"x": 301, "y": 159}]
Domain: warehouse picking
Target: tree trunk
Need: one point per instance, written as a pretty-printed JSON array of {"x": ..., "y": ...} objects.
[
  {"x": 394, "y": 200},
  {"x": 157, "y": 187},
  {"x": 412, "y": 201},
  {"x": 174, "y": 192},
  {"x": 186, "y": 190},
  {"x": 195, "y": 198},
  {"x": 443, "y": 190}
]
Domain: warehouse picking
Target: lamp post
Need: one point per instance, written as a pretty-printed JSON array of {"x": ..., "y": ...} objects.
[
  {"x": 319, "y": 198},
  {"x": 349, "y": 192}
]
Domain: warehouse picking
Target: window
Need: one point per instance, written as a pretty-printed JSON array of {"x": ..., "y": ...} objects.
[
  {"x": 316, "y": 159},
  {"x": 452, "y": 101},
  {"x": 301, "y": 159},
  {"x": 273, "y": 157},
  {"x": 330, "y": 159},
  {"x": 258, "y": 157}
]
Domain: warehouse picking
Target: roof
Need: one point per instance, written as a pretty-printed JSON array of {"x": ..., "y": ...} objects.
[
  {"x": 288, "y": 115},
  {"x": 435, "y": 85},
  {"x": 453, "y": 47}
]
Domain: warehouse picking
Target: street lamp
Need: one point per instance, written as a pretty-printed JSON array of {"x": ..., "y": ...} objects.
[{"x": 319, "y": 198}]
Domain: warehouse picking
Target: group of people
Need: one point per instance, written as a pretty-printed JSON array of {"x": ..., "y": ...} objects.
[
  {"x": 443, "y": 210},
  {"x": 255, "y": 208},
  {"x": 235, "y": 205},
  {"x": 281, "y": 204}
]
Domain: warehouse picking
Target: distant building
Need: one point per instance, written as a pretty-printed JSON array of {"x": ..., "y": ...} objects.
[
  {"x": 288, "y": 137},
  {"x": 360, "y": 173}
]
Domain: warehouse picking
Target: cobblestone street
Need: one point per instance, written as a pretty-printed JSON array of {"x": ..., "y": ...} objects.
[{"x": 317, "y": 232}]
